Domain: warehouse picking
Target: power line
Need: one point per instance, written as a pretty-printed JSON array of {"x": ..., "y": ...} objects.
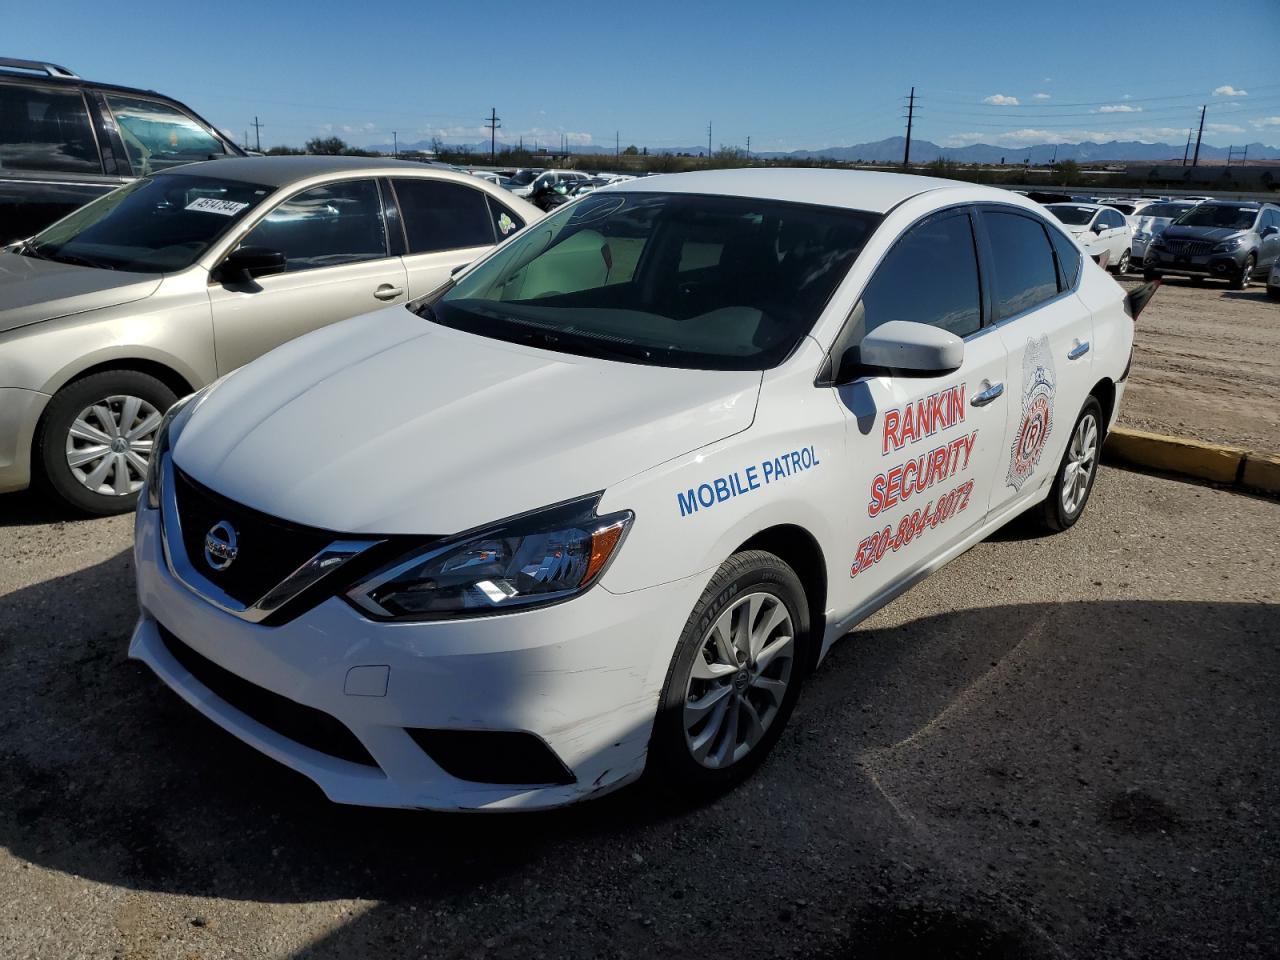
[
  {"x": 493, "y": 125},
  {"x": 911, "y": 113}
]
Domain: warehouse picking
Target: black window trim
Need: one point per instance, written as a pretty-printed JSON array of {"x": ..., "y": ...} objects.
[{"x": 985, "y": 253}]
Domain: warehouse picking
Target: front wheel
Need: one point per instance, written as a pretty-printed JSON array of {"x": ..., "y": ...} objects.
[
  {"x": 1241, "y": 281},
  {"x": 1077, "y": 471},
  {"x": 735, "y": 676},
  {"x": 1122, "y": 267},
  {"x": 1273, "y": 293},
  {"x": 95, "y": 439}
]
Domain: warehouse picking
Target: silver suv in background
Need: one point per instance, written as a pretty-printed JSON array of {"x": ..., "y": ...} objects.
[
  {"x": 164, "y": 285},
  {"x": 1232, "y": 240}
]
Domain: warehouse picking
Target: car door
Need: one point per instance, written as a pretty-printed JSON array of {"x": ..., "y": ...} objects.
[
  {"x": 1269, "y": 230},
  {"x": 337, "y": 265},
  {"x": 1119, "y": 235},
  {"x": 924, "y": 450},
  {"x": 446, "y": 226},
  {"x": 1033, "y": 272}
]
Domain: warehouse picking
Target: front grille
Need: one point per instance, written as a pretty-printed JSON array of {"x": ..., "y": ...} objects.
[
  {"x": 1188, "y": 248},
  {"x": 268, "y": 549},
  {"x": 303, "y": 725}
]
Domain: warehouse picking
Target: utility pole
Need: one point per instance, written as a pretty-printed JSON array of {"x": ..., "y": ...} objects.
[
  {"x": 257, "y": 133},
  {"x": 493, "y": 125},
  {"x": 708, "y": 139},
  {"x": 395, "y": 145},
  {"x": 748, "y": 146},
  {"x": 911, "y": 115},
  {"x": 1195, "y": 160},
  {"x": 1186, "y": 151},
  {"x": 617, "y": 145},
  {"x": 246, "y": 139}
]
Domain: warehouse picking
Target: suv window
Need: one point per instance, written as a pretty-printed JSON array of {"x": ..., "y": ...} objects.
[
  {"x": 325, "y": 226},
  {"x": 443, "y": 216},
  {"x": 1022, "y": 263},
  {"x": 46, "y": 129},
  {"x": 157, "y": 135},
  {"x": 940, "y": 249},
  {"x": 1069, "y": 259}
]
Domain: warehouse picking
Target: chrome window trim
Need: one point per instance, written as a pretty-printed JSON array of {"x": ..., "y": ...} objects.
[{"x": 322, "y": 564}]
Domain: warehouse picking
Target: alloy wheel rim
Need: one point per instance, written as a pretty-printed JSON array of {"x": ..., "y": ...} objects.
[
  {"x": 1124, "y": 262},
  {"x": 109, "y": 444},
  {"x": 739, "y": 680},
  {"x": 1082, "y": 459}
]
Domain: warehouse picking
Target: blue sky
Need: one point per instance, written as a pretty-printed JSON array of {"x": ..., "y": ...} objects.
[{"x": 789, "y": 75}]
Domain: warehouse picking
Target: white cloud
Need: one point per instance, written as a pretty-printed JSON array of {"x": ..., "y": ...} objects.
[
  {"x": 1000, "y": 100},
  {"x": 1119, "y": 108},
  {"x": 1223, "y": 128},
  {"x": 1266, "y": 122},
  {"x": 1024, "y": 138},
  {"x": 1048, "y": 79},
  {"x": 1127, "y": 96},
  {"x": 1226, "y": 90},
  {"x": 1041, "y": 96}
]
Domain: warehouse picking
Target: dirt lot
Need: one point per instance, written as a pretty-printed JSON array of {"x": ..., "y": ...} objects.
[
  {"x": 1207, "y": 365},
  {"x": 1057, "y": 747}
]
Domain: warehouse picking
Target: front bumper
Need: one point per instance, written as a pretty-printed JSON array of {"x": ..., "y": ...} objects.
[
  {"x": 1222, "y": 266},
  {"x": 19, "y": 413},
  {"x": 583, "y": 676}
]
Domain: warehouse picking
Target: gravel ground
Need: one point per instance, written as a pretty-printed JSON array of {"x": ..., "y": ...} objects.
[
  {"x": 1057, "y": 747},
  {"x": 1207, "y": 365}
]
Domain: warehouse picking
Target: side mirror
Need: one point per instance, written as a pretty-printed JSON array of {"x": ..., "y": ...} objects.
[
  {"x": 246, "y": 263},
  {"x": 1099, "y": 227},
  {"x": 911, "y": 348},
  {"x": 1270, "y": 232}
]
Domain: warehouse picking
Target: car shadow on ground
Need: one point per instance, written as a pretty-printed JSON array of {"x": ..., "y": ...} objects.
[
  {"x": 29, "y": 508},
  {"x": 993, "y": 782},
  {"x": 1256, "y": 294}
]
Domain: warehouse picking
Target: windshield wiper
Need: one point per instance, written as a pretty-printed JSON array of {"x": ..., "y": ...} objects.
[
  {"x": 29, "y": 250},
  {"x": 581, "y": 344},
  {"x": 78, "y": 261}
]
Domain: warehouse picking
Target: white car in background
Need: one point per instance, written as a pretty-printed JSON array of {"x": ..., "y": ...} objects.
[
  {"x": 601, "y": 504},
  {"x": 1129, "y": 207},
  {"x": 1150, "y": 221},
  {"x": 549, "y": 179},
  {"x": 1103, "y": 231}
]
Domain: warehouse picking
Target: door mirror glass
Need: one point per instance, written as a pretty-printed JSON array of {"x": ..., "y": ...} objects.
[
  {"x": 918, "y": 348},
  {"x": 246, "y": 263}
]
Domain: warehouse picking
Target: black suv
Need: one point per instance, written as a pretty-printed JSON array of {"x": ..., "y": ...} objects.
[
  {"x": 65, "y": 141},
  {"x": 1232, "y": 240}
]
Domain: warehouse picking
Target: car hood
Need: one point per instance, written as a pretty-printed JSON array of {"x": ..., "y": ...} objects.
[
  {"x": 1216, "y": 234},
  {"x": 390, "y": 423},
  {"x": 32, "y": 290}
]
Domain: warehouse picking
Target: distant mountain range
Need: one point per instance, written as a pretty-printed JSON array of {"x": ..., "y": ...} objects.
[{"x": 889, "y": 150}]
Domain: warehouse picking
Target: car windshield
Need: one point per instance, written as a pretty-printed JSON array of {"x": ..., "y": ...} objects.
[
  {"x": 155, "y": 225},
  {"x": 1165, "y": 210},
  {"x": 1073, "y": 216},
  {"x": 1218, "y": 215},
  {"x": 679, "y": 280},
  {"x": 523, "y": 178},
  {"x": 1125, "y": 208}
]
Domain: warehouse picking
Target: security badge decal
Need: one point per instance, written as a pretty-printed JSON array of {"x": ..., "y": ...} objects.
[{"x": 1039, "y": 382}]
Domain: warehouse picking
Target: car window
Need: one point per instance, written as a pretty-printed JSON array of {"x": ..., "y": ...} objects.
[
  {"x": 325, "y": 226},
  {"x": 157, "y": 135},
  {"x": 680, "y": 280},
  {"x": 439, "y": 215},
  {"x": 1069, "y": 259},
  {"x": 43, "y": 129},
  {"x": 1022, "y": 265},
  {"x": 505, "y": 222},
  {"x": 1117, "y": 220},
  {"x": 1224, "y": 215},
  {"x": 941, "y": 249},
  {"x": 1072, "y": 216}
]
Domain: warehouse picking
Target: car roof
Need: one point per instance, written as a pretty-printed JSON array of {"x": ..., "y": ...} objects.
[
  {"x": 853, "y": 189},
  {"x": 279, "y": 171},
  {"x": 1081, "y": 204},
  {"x": 1219, "y": 202}
]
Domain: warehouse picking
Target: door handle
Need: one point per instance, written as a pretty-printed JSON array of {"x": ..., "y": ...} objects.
[
  {"x": 993, "y": 391},
  {"x": 386, "y": 291},
  {"x": 1079, "y": 350}
]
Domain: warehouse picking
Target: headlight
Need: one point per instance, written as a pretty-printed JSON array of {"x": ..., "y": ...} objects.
[
  {"x": 163, "y": 441},
  {"x": 1231, "y": 244},
  {"x": 531, "y": 560},
  {"x": 1157, "y": 243}
]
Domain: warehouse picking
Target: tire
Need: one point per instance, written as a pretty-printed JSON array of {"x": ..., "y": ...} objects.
[
  {"x": 1124, "y": 264},
  {"x": 1273, "y": 293},
  {"x": 699, "y": 757},
  {"x": 96, "y": 407},
  {"x": 1061, "y": 512},
  {"x": 1241, "y": 281}
]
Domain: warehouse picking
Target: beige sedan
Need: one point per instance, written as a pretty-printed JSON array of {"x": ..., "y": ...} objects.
[{"x": 166, "y": 284}]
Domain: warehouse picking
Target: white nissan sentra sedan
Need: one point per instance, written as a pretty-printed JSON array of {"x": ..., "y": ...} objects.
[{"x": 599, "y": 505}]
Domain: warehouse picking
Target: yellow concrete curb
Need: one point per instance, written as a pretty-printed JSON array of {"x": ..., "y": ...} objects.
[{"x": 1216, "y": 462}]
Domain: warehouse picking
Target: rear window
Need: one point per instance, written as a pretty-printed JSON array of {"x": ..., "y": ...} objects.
[
  {"x": 46, "y": 129},
  {"x": 439, "y": 215},
  {"x": 1072, "y": 216},
  {"x": 680, "y": 280}
]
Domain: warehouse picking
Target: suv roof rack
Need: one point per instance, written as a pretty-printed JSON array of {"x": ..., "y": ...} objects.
[{"x": 39, "y": 66}]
